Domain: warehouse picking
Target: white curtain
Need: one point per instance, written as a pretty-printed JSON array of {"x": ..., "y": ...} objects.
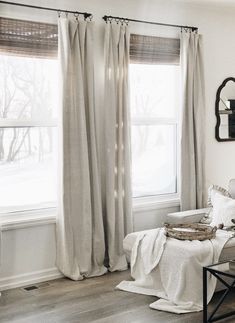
[
  {"x": 193, "y": 122},
  {"x": 80, "y": 233},
  {"x": 118, "y": 196}
]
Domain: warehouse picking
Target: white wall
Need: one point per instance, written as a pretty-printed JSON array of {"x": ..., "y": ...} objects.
[
  {"x": 31, "y": 251},
  {"x": 27, "y": 256}
]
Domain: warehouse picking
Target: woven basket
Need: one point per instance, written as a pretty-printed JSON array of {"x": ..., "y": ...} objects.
[{"x": 193, "y": 231}]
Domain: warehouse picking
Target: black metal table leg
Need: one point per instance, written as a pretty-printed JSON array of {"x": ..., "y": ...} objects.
[
  {"x": 204, "y": 295},
  {"x": 221, "y": 300},
  {"x": 230, "y": 286}
]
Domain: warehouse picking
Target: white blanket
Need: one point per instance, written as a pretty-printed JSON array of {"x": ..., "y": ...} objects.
[{"x": 172, "y": 269}]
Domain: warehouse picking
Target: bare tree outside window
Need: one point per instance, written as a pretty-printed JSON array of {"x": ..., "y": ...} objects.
[{"x": 28, "y": 113}]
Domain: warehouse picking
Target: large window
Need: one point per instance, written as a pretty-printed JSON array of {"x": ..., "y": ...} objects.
[
  {"x": 154, "y": 80},
  {"x": 28, "y": 114}
]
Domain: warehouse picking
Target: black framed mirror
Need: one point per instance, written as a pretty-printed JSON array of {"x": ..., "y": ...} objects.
[{"x": 225, "y": 111}]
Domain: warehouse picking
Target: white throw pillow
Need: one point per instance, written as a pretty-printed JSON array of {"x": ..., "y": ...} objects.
[
  {"x": 212, "y": 190},
  {"x": 223, "y": 210}
]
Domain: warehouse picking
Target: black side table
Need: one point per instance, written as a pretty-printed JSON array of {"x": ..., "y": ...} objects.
[{"x": 220, "y": 271}]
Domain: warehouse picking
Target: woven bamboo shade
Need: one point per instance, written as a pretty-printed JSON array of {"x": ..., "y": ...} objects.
[
  {"x": 154, "y": 50},
  {"x": 28, "y": 38}
]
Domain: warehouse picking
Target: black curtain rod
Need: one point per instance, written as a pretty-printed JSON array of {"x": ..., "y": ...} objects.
[
  {"x": 125, "y": 20},
  {"x": 85, "y": 14}
]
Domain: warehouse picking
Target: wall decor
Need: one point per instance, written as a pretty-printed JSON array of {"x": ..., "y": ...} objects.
[{"x": 225, "y": 111}]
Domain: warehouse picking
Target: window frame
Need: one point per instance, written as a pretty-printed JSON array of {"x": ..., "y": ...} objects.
[
  {"x": 31, "y": 209},
  {"x": 158, "y": 201},
  {"x": 32, "y": 39}
]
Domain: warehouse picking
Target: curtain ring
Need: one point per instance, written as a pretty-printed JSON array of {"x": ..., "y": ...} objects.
[
  {"x": 59, "y": 13},
  {"x": 91, "y": 17},
  {"x": 76, "y": 15},
  {"x": 66, "y": 14}
]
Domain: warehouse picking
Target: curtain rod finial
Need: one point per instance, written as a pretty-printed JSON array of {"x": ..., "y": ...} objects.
[{"x": 87, "y": 15}]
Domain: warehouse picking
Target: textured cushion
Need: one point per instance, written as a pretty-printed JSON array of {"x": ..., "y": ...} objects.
[
  {"x": 223, "y": 210},
  {"x": 191, "y": 216},
  {"x": 213, "y": 189}
]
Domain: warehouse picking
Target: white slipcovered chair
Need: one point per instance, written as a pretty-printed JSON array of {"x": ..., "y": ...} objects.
[{"x": 191, "y": 216}]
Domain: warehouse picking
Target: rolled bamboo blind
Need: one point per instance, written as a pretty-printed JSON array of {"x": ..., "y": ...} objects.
[
  {"x": 28, "y": 38},
  {"x": 154, "y": 50}
]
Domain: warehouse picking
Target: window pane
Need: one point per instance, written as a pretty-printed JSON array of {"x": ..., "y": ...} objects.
[
  {"x": 154, "y": 160},
  {"x": 154, "y": 90},
  {"x": 27, "y": 168},
  {"x": 28, "y": 88}
]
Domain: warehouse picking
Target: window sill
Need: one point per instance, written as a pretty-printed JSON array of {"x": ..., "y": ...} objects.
[
  {"x": 153, "y": 203},
  {"x": 33, "y": 218},
  {"x": 27, "y": 219}
]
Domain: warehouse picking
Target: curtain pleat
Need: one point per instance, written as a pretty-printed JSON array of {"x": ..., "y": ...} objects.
[
  {"x": 193, "y": 122},
  {"x": 80, "y": 229},
  {"x": 118, "y": 196}
]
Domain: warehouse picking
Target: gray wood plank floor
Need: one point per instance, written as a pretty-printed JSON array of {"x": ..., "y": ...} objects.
[{"x": 90, "y": 300}]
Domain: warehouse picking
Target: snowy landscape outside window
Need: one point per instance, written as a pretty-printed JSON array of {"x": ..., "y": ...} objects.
[
  {"x": 28, "y": 117},
  {"x": 154, "y": 88}
]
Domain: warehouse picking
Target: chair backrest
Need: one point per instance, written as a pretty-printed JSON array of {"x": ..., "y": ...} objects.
[{"x": 231, "y": 187}]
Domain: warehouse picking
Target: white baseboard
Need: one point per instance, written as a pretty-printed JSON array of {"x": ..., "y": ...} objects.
[{"x": 29, "y": 278}]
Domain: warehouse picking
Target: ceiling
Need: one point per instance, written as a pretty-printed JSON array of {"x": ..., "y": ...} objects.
[{"x": 221, "y": 3}]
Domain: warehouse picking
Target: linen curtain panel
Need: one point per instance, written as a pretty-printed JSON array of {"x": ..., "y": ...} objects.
[
  {"x": 193, "y": 126},
  {"x": 80, "y": 233},
  {"x": 118, "y": 196}
]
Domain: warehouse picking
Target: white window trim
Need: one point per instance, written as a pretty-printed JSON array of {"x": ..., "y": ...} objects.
[
  {"x": 25, "y": 219},
  {"x": 157, "y": 202},
  {"x": 27, "y": 208},
  {"x": 14, "y": 123}
]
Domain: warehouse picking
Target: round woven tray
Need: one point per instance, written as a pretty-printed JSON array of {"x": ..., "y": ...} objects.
[{"x": 193, "y": 231}]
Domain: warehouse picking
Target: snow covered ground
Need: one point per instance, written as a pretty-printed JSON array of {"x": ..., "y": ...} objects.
[{"x": 27, "y": 184}]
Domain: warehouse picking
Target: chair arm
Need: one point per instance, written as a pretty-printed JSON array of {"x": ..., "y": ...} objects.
[{"x": 191, "y": 216}]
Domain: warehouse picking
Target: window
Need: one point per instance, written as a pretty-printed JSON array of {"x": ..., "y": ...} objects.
[
  {"x": 28, "y": 114},
  {"x": 154, "y": 81}
]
